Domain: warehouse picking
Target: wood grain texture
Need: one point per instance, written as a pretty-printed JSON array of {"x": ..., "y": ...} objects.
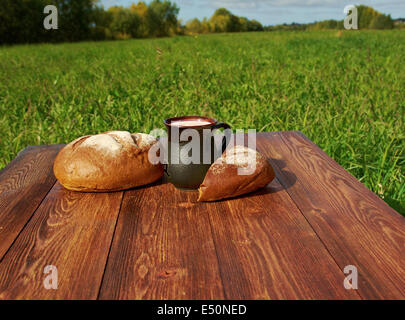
[
  {"x": 163, "y": 248},
  {"x": 290, "y": 240},
  {"x": 70, "y": 230},
  {"x": 356, "y": 226},
  {"x": 24, "y": 182},
  {"x": 267, "y": 250}
]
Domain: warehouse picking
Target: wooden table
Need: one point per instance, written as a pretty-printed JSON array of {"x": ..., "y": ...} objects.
[{"x": 291, "y": 240}]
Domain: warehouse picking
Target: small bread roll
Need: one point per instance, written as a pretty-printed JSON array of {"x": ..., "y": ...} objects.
[
  {"x": 238, "y": 171},
  {"x": 110, "y": 161}
]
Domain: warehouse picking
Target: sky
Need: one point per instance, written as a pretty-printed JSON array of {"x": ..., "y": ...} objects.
[{"x": 271, "y": 12}]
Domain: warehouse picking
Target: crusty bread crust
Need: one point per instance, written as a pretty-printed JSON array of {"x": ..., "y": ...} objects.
[
  {"x": 223, "y": 181},
  {"x": 111, "y": 161}
]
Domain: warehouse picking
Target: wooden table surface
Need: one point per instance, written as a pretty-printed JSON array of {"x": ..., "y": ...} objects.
[{"x": 291, "y": 240}]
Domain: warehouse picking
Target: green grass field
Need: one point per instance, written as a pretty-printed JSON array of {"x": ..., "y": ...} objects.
[{"x": 345, "y": 92}]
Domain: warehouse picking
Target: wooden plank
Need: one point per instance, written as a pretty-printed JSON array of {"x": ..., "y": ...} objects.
[
  {"x": 163, "y": 248},
  {"x": 267, "y": 250},
  {"x": 23, "y": 184},
  {"x": 356, "y": 226},
  {"x": 70, "y": 230}
]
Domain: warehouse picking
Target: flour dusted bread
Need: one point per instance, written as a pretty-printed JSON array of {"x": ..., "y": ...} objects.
[
  {"x": 238, "y": 171},
  {"x": 110, "y": 161}
]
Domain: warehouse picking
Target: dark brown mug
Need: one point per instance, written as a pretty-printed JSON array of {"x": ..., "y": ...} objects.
[{"x": 185, "y": 175}]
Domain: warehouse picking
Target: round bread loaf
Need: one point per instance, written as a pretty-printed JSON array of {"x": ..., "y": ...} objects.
[
  {"x": 109, "y": 161},
  {"x": 238, "y": 171}
]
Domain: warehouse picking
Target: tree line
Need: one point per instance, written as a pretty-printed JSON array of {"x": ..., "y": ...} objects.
[
  {"x": 368, "y": 18},
  {"x": 21, "y": 21},
  {"x": 222, "y": 21}
]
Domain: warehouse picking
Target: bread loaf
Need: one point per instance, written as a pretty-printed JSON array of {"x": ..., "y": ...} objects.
[
  {"x": 238, "y": 171},
  {"x": 110, "y": 161}
]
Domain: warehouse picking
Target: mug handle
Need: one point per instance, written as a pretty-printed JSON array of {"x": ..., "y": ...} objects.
[{"x": 228, "y": 133}]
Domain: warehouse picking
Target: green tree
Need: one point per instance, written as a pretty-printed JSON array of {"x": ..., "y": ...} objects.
[
  {"x": 74, "y": 20},
  {"x": 100, "y": 26},
  {"x": 141, "y": 9},
  {"x": 223, "y": 21},
  {"x": 382, "y": 22},
  {"x": 194, "y": 26},
  {"x": 244, "y": 24},
  {"x": 21, "y": 21},
  {"x": 254, "y": 25},
  {"x": 205, "y": 26},
  {"x": 124, "y": 23},
  {"x": 162, "y": 18},
  {"x": 368, "y": 18},
  {"x": 365, "y": 16}
]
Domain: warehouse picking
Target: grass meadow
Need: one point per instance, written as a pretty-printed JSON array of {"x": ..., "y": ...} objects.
[{"x": 345, "y": 91}]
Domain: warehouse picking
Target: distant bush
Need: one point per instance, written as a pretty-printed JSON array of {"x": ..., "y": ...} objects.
[
  {"x": 381, "y": 22},
  {"x": 372, "y": 19},
  {"x": 368, "y": 18},
  {"x": 222, "y": 21}
]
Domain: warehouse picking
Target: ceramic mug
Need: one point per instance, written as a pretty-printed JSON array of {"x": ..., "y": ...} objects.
[{"x": 183, "y": 174}]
